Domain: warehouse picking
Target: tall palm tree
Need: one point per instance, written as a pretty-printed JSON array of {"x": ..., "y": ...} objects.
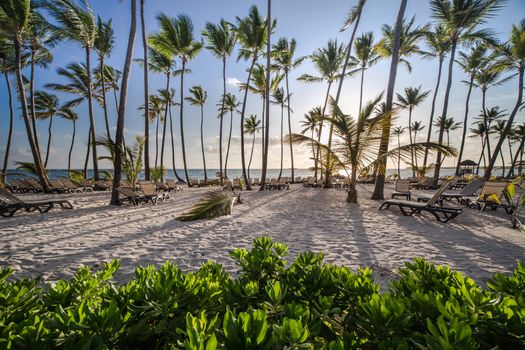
[
  {"x": 460, "y": 19},
  {"x": 252, "y": 126},
  {"x": 147, "y": 174},
  {"x": 279, "y": 98},
  {"x": 412, "y": 98},
  {"x": 77, "y": 23},
  {"x": 470, "y": 63},
  {"x": 479, "y": 130},
  {"x": 167, "y": 97},
  {"x": 416, "y": 127},
  {"x": 198, "y": 98},
  {"x": 498, "y": 129},
  {"x": 311, "y": 123},
  {"x": 155, "y": 113},
  {"x": 14, "y": 20},
  {"x": 366, "y": 56},
  {"x": 269, "y": 28},
  {"x": 230, "y": 105},
  {"x": 7, "y": 67},
  {"x": 103, "y": 45},
  {"x": 46, "y": 107},
  {"x": 328, "y": 62},
  {"x": 68, "y": 114},
  {"x": 448, "y": 124},
  {"x": 283, "y": 55},
  {"x": 438, "y": 46},
  {"x": 119, "y": 137},
  {"x": 252, "y": 34},
  {"x": 487, "y": 117},
  {"x": 398, "y": 131},
  {"x": 385, "y": 134}
]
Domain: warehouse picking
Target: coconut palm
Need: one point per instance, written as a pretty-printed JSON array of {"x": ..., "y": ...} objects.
[
  {"x": 68, "y": 114},
  {"x": 14, "y": 20},
  {"x": 269, "y": 28},
  {"x": 147, "y": 174},
  {"x": 221, "y": 40},
  {"x": 519, "y": 136},
  {"x": 448, "y": 124},
  {"x": 398, "y": 131},
  {"x": 103, "y": 45},
  {"x": 283, "y": 55},
  {"x": 328, "y": 62},
  {"x": 252, "y": 126},
  {"x": 416, "y": 127},
  {"x": 438, "y": 46},
  {"x": 167, "y": 97},
  {"x": 230, "y": 105},
  {"x": 119, "y": 137},
  {"x": 155, "y": 113},
  {"x": 310, "y": 125},
  {"x": 77, "y": 23},
  {"x": 488, "y": 116},
  {"x": 479, "y": 130},
  {"x": 460, "y": 20},
  {"x": 46, "y": 107},
  {"x": 412, "y": 98},
  {"x": 366, "y": 56},
  {"x": 498, "y": 129},
  {"x": 198, "y": 98},
  {"x": 279, "y": 98},
  {"x": 7, "y": 67},
  {"x": 470, "y": 63}
]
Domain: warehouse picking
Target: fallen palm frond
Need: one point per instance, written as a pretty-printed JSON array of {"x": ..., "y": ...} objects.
[{"x": 213, "y": 204}]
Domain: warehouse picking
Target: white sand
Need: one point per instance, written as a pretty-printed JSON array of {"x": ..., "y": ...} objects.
[{"x": 53, "y": 245}]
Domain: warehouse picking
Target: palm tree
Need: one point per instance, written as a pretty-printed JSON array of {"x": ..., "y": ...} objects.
[
  {"x": 252, "y": 126},
  {"x": 167, "y": 98},
  {"x": 155, "y": 113},
  {"x": 311, "y": 124},
  {"x": 448, "y": 124},
  {"x": 398, "y": 131},
  {"x": 366, "y": 56},
  {"x": 279, "y": 98},
  {"x": 416, "y": 127},
  {"x": 78, "y": 24},
  {"x": 283, "y": 55},
  {"x": 470, "y": 63},
  {"x": 498, "y": 128},
  {"x": 68, "y": 114},
  {"x": 103, "y": 45},
  {"x": 269, "y": 28},
  {"x": 385, "y": 135},
  {"x": 198, "y": 98},
  {"x": 438, "y": 46},
  {"x": 252, "y": 34},
  {"x": 479, "y": 130},
  {"x": 413, "y": 97},
  {"x": 147, "y": 174},
  {"x": 460, "y": 19},
  {"x": 328, "y": 62},
  {"x": 14, "y": 19},
  {"x": 487, "y": 117},
  {"x": 7, "y": 67},
  {"x": 46, "y": 107},
  {"x": 230, "y": 105},
  {"x": 519, "y": 136},
  {"x": 119, "y": 137}
]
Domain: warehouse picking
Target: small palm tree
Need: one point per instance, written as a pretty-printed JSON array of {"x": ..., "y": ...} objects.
[
  {"x": 398, "y": 131},
  {"x": 68, "y": 114},
  {"x": 104, "y": 43},
  {"x": 498, "y": 129},
  {"x": 310, "y": 125},
  {"x": 412, "y": 98},
  {"x": 198, "y": 98},
  {"x": 488, "y": 116},
  {"x": 416, "y": 127},
  {"x": 252, "y": 126},
  {"x": 448, "y": 124},
  {"x": 479, "y": 130},
  {"x": 155, "y": 112},
  {"x": 279, "y": 98},
  {"x": 230, "y": 105},
  {"x": 46, "y": 107}
]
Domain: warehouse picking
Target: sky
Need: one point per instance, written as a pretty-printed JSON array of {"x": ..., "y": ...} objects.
[{"x": 311, "y": 22}]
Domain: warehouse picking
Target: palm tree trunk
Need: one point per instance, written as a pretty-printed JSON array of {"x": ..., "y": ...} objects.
[
  {"x": 32, "y": 96},
  {"x": 147, "y": 173},
  {"x": 104, "y": 104},
  {"x": 48, "y": 140},
  {"x": 221, "y": 174},
  {"x": 411, "y": 140},
  {"x": 119, "y": 137},
  {"x": 482, "y": 155},
  {"x": 502, "y": 162},
  {"x": 202, "y": 145},
  {"x": 518, "y": 153},
  {"x": 415, "y": 156},
  {"x": 511, "y": 170},
  {"x": 508, "y": 125},
  {"x": 352, "y": 191},
  {"x": 361, "y": 90},
  {"x": 445, "y": 106},
  {"x": 71, "y": 148},
  {"x": 251, "y": 154},
  {"x": 399, "y": 156},
  {"x": 41, "y": 173},
  {"x": 11, "y": 125},
  {"x": 228, "y": 148},
  {"x": 486, "y": 123},
  {"x": 263, "y": 120},
  {"x": 432, "y": 109},
  {"x": 243, "y": 112},
  {"x": 282, "y": 145},
  {"x": 91, "y": 115},
  {"x": 157, "y": 142},
  {"x": 385, "y": 135},
  {"x": 465, "y": 123},
  {"x": 173, "y": 150},
  {"x": 168, "y": 103},
  {"x": 88, "y": 151},
  {"x": 182, "y": 123},
  {"x": 317, "y": 161},
  {"x": 289, "y": 128},
  {"x": 268, "y": 82}
]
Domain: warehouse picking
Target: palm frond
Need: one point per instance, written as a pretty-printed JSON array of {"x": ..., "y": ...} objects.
[{"x": 212, "y": 205}]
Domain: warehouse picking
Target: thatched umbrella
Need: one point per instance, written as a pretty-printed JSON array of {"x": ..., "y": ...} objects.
[{"x": 467, "y": 166}]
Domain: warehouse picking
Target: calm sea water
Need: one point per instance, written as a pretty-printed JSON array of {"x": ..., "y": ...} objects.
[{"x": 232, "y": 173}]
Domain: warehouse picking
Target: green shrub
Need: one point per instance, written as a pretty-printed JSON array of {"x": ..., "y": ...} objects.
[{"x": 306, "y": 304}]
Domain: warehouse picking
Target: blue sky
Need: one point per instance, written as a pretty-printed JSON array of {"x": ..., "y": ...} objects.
[{"x": 311, "y": 22}]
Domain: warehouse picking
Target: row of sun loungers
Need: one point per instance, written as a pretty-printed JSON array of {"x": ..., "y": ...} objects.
[{"x": 10, "y": 204}]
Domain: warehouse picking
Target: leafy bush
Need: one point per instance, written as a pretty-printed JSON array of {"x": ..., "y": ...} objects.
[{"x": 270, "y": 305}]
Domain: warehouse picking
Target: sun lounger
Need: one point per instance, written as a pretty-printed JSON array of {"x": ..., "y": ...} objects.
[
  {"x": 172, "y": 185},
  {"x": 149, "y": 190},
  {"x": 33, "y": 185},
  {"x": 426, "y": 183},
  {"x": 73, "y": 188},
  {"x": 101, "y": 186},
  {"x": 461, "y": 196},
  {"x": 58, "y": 187},
  {"x": 12, "y": 204},
  {"x": 86, "y": 184},
  {"x": 491, "y": 196},
  {"x": 237, "y": 184},
  {"x": 402, "y": 189},
  {"x": 442, "y": 214},
  {"x": 283, "y": 183}
]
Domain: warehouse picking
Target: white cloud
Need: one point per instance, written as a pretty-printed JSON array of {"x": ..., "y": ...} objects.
[{"x": 233, "y": 81}]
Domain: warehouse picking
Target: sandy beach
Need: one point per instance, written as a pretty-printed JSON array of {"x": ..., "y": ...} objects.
[{"x": 53, "y": 245}]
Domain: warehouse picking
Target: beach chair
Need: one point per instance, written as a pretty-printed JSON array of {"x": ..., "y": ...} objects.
[
  {"x": 161, "y": 186},
  {"x": 86, "y": 184},
  {"x": 58, "y": 187},
  {"x": 310, "y": 182},
  {"x": 273, "y": 184},
  {"x": 73, "y": 188},
  {"x": 33, "y": 186},
  {"x": 228, "y": 185},
  {"x": 129, "y": 195},
  {"x": 491, "y": 196},
  {"x": 194, "y": 182},
  {"x": 17, "y": 186},
  {"x": 13, "y": 204},
  {"x": 442, "y": 214},
  {"x": 126, "y": 184},
  {"x": 237, "y": 184},
  {"x": 461, "y": 196},
  {"x": 283, "y": 183},
  {"x": 149, "y": 190},
  {"x": 402, "y": 189},
  {"x": 426, "y": 183},
  {"x": 172, "y": 185}
]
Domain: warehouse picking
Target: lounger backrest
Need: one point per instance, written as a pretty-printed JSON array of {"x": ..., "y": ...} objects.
[
  {"x": 171, "y": 183},
  {"x": 33, "y": 183},
  {"x": 402, "y": 186},
  {"x": 147, "y": 187},
  {"x": 282, "y": 181},
  {"x": 57, "y": 184},
  {"x": 68, "y": 183},
  {"x": 493, "y": 188},
  {"x": 86, "y": 183},
  {"x": 273, "y": 181},
  {"x": 471, "y": 188},
  {"x": 438, "y": 193},
  {"x": 8, "y": 195}
]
